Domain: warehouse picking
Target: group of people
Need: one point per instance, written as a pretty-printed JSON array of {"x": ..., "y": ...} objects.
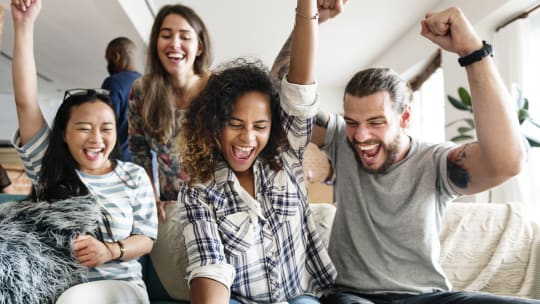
[{"x": 228, "y": 145}]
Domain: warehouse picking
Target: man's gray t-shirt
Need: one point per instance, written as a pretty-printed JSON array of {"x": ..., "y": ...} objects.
[{"x": 385, "y": 236}]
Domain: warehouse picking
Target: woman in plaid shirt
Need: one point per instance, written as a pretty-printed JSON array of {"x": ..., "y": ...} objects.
[{"x": 249, "y": 232}]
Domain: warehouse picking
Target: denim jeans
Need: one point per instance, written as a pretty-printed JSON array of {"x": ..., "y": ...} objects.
[
  {"x": 459, "y": 297},
  {"x": 297, "y": 300}
]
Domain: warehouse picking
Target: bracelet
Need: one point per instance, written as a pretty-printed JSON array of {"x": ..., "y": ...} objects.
[
  {"x": 314, "y": 17},
  {"x": 122, "y": 249}
]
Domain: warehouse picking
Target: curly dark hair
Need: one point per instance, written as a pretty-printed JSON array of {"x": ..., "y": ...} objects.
[{"x": 199, "y": 140}]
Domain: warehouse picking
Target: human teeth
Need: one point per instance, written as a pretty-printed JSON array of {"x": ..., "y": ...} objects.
[
  {"x": 176, "y": 56},
  {"x": 97, "y": 150},
  {"x": 369, "y": 147},
  {"x": 244, "y": 149}
]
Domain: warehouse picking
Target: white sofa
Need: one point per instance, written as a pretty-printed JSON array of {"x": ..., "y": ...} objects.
[
  {"x": 491, "y": 247},
  {"x": 484, "y": 247}
]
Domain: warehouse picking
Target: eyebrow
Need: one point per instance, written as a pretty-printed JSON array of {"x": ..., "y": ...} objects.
[
  {"x": 89, "y": 123},
  {"x": 258, "y": 121},
  {"x": 376, "y": 118},
  {"x": 369, "y": 119},
  {"x": 168, "y": 29}
]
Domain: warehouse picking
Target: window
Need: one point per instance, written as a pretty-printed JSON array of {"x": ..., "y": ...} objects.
[
  {"x": 531, "y": 89},
  {"x": 428, "y": 110}
]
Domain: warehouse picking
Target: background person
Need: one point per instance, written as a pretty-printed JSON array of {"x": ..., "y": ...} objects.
[
  {"x": 177, "y": 69},
  {"x": 122, "y": 67}
]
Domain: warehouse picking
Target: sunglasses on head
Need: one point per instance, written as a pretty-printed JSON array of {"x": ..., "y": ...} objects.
[{"x": 87, "y": 94}]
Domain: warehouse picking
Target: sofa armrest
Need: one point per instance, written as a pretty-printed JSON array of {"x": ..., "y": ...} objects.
[{"x": 490, "y": 247}]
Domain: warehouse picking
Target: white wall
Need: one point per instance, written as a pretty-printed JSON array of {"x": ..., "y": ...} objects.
[
  {"x": 331, "y": 98},
  {"x": 49, "y": 97},
  {"x": 8, "y": 115}
]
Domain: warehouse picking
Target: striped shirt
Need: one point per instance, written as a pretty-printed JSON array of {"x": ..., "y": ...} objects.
[
  {"x": 264, "y": 249},
  {"x": 125, "y": 193}
]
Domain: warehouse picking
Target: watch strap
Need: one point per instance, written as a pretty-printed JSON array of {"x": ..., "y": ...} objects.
[{"x": 486, "y": 50}]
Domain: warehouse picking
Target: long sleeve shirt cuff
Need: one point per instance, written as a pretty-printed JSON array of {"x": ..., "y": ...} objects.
[
  {"x": 223, "y": 273},
  {"x": 299, "y": 100}
]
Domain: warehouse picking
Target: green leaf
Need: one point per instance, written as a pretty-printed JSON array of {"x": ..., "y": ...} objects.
[
  {"x": 455, "y": 139},
  {"x": 522, "y": 115},
  {"x": 469, "y": 121},
  {"x": 461, "y": 138},
  {"x": 465, "y": 96},
  {"x": 458, "y": 104},
  {"x": 465, "y": 104},
  {"x": 463, "y": 130},
  {"x": 533, "y": 142}
]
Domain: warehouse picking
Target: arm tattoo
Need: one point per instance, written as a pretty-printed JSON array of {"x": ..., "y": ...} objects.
[
  {"x": 283, "y": 60},
  {"x": 457, "y": 173}
]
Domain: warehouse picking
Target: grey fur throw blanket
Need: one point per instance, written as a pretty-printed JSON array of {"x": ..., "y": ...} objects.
[{"x": 36, "y": 257}]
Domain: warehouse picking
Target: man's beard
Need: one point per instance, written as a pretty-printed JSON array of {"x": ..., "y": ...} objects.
[{"x": 391, "y": 149}]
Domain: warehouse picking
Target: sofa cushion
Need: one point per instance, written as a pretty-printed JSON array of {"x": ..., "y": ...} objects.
[
  {"x": 169, "y": 257},
  {"x": 323, "y": 215}
]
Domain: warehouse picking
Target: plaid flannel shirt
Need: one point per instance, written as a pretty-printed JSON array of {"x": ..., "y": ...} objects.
[{"x": 265, "y": 249}]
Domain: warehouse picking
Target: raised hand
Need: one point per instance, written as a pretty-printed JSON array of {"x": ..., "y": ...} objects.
[
  {"x": 451, "y": 30},
  {"x": 24, "y": 11},
  {"x": 330, "y": 8}
]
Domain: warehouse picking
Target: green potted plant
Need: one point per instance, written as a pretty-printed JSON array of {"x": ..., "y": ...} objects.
[{"x": 466, "y": 127}]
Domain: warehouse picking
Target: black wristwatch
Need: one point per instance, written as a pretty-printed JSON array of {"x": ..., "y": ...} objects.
[{"x": 486, "y": 50}]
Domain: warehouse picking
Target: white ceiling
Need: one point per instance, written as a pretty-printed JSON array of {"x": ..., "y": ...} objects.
[
  {"x": 70, "y": 42},
  {"x": 71, "y": 35}
]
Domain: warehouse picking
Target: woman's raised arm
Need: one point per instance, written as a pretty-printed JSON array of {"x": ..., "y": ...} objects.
[{"x": 24, "y": 73}]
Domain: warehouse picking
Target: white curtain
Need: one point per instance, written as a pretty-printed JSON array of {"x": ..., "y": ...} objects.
[
  {"x": 510, "y": 52},
  {"x": 512, "y": 45}
]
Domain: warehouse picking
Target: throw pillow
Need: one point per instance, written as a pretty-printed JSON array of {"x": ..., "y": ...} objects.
[
  {"x": 323, "y": 215},
  {"x": 36, "y": 257}
]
